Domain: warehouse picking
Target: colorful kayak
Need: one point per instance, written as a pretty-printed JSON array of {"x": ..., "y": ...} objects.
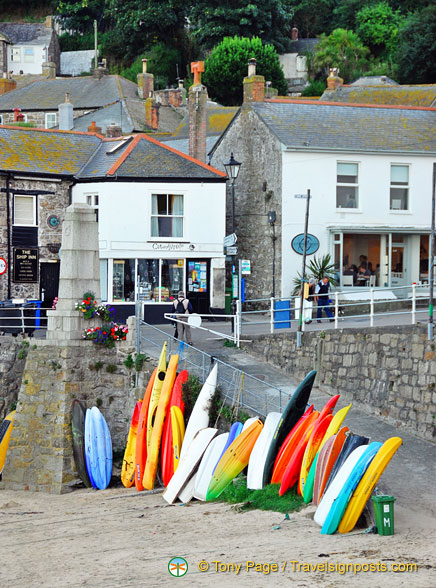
[
  {"x": 329, "y": 406},
  {"x": 235, "y": 430},
  {"x": 141, "y": 435},
  {"x": 315, "y": 440},
  {"x": 89, "y": 446},
  {"x": 78, "y": 412},
  {"x": 337, "y": 509},
  {"x": 101, "y": 449},
  {"x": 308, "y": 412},
  {"x": 5, "y": 435},
  {"x": 155, "y": 393},
  {"x": 256, "y": 464},
  {"x": 167, "y": 447},
  {"x": 294, "y": 410},
  {"x": 177, "y": 434},
  {"x": 128, "y": 465},
  {"x": 321, "y": 460},
  {"x": 351, "y": 442},
  {"x": 291, "y": 444},
  {"x": 234, "y": 460},
  {"x": 330, "y": 460},
  {"x": 207, "y": 465},
  {"x": 367, "y": 484},
  {"x": 335, "y": 424},
  {"x": 156, "y": 436}
]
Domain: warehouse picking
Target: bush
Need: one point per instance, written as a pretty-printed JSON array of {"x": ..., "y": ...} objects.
[
  {"x": 162, "y": 61},
  {"x": 315, "y": 88}
]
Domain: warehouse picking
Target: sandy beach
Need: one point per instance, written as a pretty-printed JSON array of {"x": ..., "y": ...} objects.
[{"x": 119, "y": 537}]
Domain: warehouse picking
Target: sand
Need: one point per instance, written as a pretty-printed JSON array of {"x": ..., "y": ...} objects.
[{"x": 119, "y": 537}]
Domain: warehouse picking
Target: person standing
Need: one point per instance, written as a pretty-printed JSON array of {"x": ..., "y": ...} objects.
[
  {"x": 324, "y": 299},
  {"x": 182, "y": 306},
  {"x": 308, "y": 301}
]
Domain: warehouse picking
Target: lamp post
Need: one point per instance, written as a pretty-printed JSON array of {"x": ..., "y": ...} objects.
[
  {"x": 232, "y": 169},
  {"x": 272, "y": 221}
]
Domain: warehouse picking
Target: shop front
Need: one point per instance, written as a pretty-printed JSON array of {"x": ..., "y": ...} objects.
[{"x": 380, "y": 258}]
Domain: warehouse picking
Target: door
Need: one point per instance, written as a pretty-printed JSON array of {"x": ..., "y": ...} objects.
[
  {"x": 398, "y": 260},
  {"x": 48, "y": 283},
  {"x": 198, "y": 284}
]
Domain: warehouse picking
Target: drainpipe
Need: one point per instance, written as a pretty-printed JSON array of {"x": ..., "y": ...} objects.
[
  {"x": 8, "y": 221},
  {"x": 431, "y": 256}
]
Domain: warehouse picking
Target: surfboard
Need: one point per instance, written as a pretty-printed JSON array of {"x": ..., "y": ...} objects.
[
  {"x": 155, "y": 393},
  {"x": 128, "y": 465},
  {"x": 315, "y": 440},
  {"x": 351, "y": 442},
  {"x": 88, "y": 446},
  {"x": 141, "y": 435},
  {"x": 78, "y": 412},
  {"x": 156, "y": 436},
  {"x": 293, "y": 411},
  {"x": 207, "y": 465},
  {"x": 234, "y": 460},
  {"x": 367, "y": 484},
  {"x": 335, "y": 487},
  {"x": 256, "y": 463},
  {"x": 5, "y": 435},
  {"x": 101, "y": 463},
  {"x": 330, "y": 460},
  {"x": 167, "y": 446},
  {"x": 188, "y": 464},
  {"x": 338, "y": 507},
  {"x": 199, "y": 418}
]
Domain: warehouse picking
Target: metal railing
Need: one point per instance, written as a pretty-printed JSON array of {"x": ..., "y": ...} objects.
[
  {"x": 237, "y": 387},
  {"x": 23, "y": 318}
]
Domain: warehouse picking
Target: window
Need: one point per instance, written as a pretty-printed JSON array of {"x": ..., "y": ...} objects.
[
  {"x": 15, "y": 54},
  {"x": 28, "y": 55},
  {"x": 1, "y": 119},
  {"x": 399, "y": 196},
  {"x": 347, "y": 185},
  {"x": 167, "y": 215},
  {"x": 25, "y": 210},
  {"x": 92, "y": 200},
  {"x": 124, "y": 280},
  {"x": 50, "y": 120}
]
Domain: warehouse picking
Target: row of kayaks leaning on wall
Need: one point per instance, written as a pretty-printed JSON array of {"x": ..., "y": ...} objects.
[{"x": 302, "y": 448}]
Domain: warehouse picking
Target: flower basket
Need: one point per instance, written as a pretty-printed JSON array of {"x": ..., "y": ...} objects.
[{"x": 106, "y": 335}]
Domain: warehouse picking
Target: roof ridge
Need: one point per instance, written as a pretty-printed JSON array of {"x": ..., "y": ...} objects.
[
  {"x": 349, "y": 104},
  {"x": 35, "y": 129},
  {"x": 111, "y": 171}
]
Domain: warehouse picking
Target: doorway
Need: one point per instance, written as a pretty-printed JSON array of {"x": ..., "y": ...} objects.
[
  {"x": 198, "y": 284},
  {"x": 48, "y": 287}
]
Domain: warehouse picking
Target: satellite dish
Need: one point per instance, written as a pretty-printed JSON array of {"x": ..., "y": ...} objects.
[{"x": 194, "y": 320}]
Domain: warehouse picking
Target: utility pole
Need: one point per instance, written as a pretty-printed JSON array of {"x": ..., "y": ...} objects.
[
  {"x": 431, "y": 258},
  {"x": 303, "y": 272},
  {"x": 95, "y": 45}
]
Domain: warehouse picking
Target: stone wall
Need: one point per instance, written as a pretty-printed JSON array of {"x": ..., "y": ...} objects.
[
  {"x": 12, "y": 362},
  {"x": 40, "y": 454},
  {"x": 38, "y": 117},
  {"x": 258, "y": 190},
  {"x": 388, "y": 371}
]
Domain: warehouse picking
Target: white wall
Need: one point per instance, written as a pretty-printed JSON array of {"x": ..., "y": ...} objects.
[
  {"x": 317, "y": 172},
  {"x": 35, "y": 67},
  {"x": 293, "y": 65}
]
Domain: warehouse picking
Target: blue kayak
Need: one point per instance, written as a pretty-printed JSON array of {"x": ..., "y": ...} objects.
[
  {"x": 235, "y": 429},
  {"x": 88, "y": 445},
  {"x": 99, "y": 462},
  {"x": 339, "y": 506}
]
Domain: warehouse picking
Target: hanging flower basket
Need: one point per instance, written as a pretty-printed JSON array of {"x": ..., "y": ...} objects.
[{"x": 107, "y": 334}]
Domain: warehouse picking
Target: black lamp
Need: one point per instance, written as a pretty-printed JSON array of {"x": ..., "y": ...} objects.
[{"x": 232, "y": 168}]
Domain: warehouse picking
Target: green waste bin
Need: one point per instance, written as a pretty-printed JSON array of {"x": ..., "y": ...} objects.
[{"x": 384, "y": 514}]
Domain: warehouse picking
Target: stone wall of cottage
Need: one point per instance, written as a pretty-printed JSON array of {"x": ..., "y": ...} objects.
[
  {"x": 258, "y": 190},
  {"x": 388, "y": 371},
  {"x": 38, "y": 118}
]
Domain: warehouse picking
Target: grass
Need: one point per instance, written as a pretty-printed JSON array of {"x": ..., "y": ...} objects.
[{"x": 266, "y": 499}]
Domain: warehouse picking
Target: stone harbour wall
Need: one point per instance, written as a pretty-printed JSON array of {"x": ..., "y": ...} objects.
[
  {"x": 40, "y": 456},
  {"x": 12, "y": 362},
  {"x": 388, "y": 371}
]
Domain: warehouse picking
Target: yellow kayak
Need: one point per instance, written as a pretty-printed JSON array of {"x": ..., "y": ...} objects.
[
  {"x": 335, "y": 425},
  {"x": 367, "y": 484},
  {"x": 156, "y": 435},
  {"x": 178, "y": 432},
  {"x": 128, "y": 467},
  {"x": 155, "y": 393},
  {"x": 5, "y": 435}
]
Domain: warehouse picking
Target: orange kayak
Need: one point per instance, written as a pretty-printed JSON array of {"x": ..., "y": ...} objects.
[
  {"x": 320, "y": 465},
  {"x": 312, "y": 447},
  {"x": 292, "y": 471},
  {"x": 128, "y": 467},
  {"x": 308, "y": 412},
  {"x": 141, "y": 435},
  {"x": 331, "y": 457},
  {"x": 167, "y": 457}
]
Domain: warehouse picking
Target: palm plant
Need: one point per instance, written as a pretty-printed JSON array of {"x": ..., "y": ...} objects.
[{"x": 318, "y": 268}]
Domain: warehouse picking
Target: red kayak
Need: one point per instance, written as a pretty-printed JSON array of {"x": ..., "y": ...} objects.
[
  {"x": 141, "y": 435},
  {"x": 167, "y": 454},
  {"x": 292, "y": 431}
]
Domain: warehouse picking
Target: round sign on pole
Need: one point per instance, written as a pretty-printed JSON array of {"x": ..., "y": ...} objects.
[
  {"x": 194, "y": 320},
  {"x": 312, "y": 244},
  {"x": 3, "y": 266}
]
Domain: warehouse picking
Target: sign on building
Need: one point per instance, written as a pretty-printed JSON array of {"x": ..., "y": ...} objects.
[{"x": 26, "y": 265}]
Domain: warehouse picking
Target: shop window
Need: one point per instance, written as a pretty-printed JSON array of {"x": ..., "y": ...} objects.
[
  {"x": 172, "y": 278},
  {"x": 399, "y": 195},
  {"x": 167, "y": 215},
  {"x": 103, "y": 280},
  {"x": 25, "y": 210},
  {"x": 148, "y": 280},
  {"x": 347, "y": 185},
  {"x": 124, "y": 280},
  {"x": 50, "y": 120}
]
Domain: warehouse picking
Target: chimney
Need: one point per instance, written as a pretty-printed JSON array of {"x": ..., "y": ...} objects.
[
  {"x": 6, "y": 84},
  {"x": 17, "y": 115},
  {"x": 49, "y": 22},
  {"x": 100, "y": 72},
  {"x": 49, "y": 70},
  {"x": 197, "y": 108},
  {"x": 152, "y": 114},
  {"x": 254, "y": 85},
  {"x": 145, "y": 82},
  {"x": 93, "y": 128},
  {"x": 334, "y": 81},
  {"x": 113, "y": 130},
  {"x": 66, "y": 114}
]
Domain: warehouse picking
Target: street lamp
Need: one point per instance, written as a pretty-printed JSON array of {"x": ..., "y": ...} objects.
[{"x": 232, "y": 169}]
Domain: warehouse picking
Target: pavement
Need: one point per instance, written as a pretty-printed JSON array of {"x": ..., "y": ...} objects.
[{"x": 410, "y": 476}]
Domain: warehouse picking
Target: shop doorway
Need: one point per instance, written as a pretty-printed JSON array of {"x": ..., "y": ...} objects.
[
  {"x": 398, "y": 262},
  {"x": 198, "y": 284}
]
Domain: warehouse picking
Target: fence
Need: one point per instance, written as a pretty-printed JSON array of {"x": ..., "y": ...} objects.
[
  {"x": 237, "y": 387},
  {"x": 22, "y": 318}
]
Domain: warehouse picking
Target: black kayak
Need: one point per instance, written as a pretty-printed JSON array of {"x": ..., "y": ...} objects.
[
  {"x": 351, "y": 443},
  {"x": 294, "y": 410},
  {"x": 78, "y": 431}
]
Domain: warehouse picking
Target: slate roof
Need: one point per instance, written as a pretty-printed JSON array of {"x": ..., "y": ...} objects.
[
  {"x": 183, "y": 144},
  {"x": 87, "y": 156},
  {"x": 85, "y": 92},
  {"x": 390, "y": 94},
  {"x": 26, "y": 33},
  {"x": 341, "y": 127},
  {"x": 114, "y": 113},
  {"x": 218, "y": 119},
  {"x": 302, "y": 45}
]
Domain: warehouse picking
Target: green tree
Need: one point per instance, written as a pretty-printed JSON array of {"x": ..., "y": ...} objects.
[
  {"x": 79, "y": 16},
  {"x": 312, "y": 17},
  {"x": 344, "y": 15},
  {"x": 226, "y": 67},
  {"x": 342, "y": 49},
  {"x": 377, "y": 26},
  {"x": 212, "y": 20},
  {"x": 416, "y": 54}
]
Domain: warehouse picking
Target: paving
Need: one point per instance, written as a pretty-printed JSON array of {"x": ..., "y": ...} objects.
[{"x": 412, "y": 471}]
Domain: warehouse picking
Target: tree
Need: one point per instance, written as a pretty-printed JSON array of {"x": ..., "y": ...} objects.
[
  {"x": 226, "y": 67},
  {"x": 377, "y": 26},
  {"x": 416, "y": 54},
  {"x": 342, "y": 49},
  {"x": 344, "y": 15},
  {"x": 312, "y": 17},
  {"x": 212, "y": 20},
  {"x": 79, "y": 16}
]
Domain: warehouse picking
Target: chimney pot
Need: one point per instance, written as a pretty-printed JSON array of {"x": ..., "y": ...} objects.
[
  {"x": 252, "y": 67},
  {"x": 144, "y": 65},
  {"x": 113, "y": 130},
  {"x": 67, "y": 96}
]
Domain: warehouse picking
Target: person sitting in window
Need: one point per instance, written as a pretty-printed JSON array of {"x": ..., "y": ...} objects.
[
  {"x": 351, "y": 201},
  {"x": 363, "y": 275},
  {"x": 351, "y": 271}
]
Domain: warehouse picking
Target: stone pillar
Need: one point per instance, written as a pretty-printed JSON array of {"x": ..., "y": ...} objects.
[
  {"x": 79, "y": 272},
  {"x": 113, "y": 130},
  {"x": 152, "y": 114},
  {"x": 49, "y": 69},
  {"x": 334, "y": 81},
  {"x": 254, "y": 85},
  {"x": 197, "y": 108}
]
